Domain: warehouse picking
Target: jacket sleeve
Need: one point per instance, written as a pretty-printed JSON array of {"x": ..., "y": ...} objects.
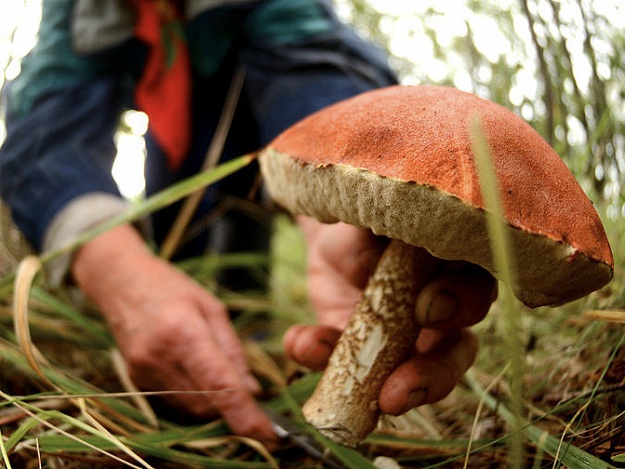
[
  {"x": 61, "y": 116},
  {"x": 59, "y": 151}
]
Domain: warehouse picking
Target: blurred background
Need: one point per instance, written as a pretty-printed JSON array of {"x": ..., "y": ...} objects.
[{"x": 557, "y": 63}]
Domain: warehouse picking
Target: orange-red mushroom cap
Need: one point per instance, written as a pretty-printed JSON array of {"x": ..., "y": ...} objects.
[{"x": 399, "y": 160}]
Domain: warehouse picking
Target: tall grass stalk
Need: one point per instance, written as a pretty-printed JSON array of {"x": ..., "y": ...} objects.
[
  {"x": 137, "y": 211},
  {"x": 573, "y": 457},
  {"x": 26, "y": 273},
  {"x": 505, "y": 268},
  {"x": 3, "y": 451},
  {"x": 42, "y": 418}
]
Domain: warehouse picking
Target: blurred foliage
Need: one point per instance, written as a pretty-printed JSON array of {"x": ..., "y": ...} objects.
[{"x": 557, "y": 63}]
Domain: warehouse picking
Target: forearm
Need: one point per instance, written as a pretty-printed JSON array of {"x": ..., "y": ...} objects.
[
  {"x": 106, "y": 267},
  {"x": 59, "y": 151},
  {"x": 77, "y": 217}
]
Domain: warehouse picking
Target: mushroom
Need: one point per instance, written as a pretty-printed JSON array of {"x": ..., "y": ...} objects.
[{"x": 399, "y": 161}]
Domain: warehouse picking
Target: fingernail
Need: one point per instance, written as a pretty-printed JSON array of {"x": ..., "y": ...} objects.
[
  {"x": 442, "y": 307},
  {"x": 415, "y": 399}
]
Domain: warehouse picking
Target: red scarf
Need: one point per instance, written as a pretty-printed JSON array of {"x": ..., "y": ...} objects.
[{"x": 164, "y": 89}]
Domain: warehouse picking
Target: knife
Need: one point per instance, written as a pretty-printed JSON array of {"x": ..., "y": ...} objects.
[{"x": 291, "y": 431}]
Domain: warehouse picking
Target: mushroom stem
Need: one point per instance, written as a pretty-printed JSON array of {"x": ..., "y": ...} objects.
[{"x": 380, "y": 335}]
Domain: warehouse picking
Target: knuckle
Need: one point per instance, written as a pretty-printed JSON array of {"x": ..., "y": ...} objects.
[
  {"x": 139, "y": 358},
  {"x": 201, "y": 407}
]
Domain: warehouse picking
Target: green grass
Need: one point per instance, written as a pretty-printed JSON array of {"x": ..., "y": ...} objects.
[{"x": 569, "y": 392}]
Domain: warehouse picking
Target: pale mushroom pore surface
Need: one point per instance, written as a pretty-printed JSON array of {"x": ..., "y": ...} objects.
[{"x": 399, "y": 161}]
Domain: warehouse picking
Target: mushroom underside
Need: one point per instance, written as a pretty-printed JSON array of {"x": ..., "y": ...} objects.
[{"x": 549, "y": 271}]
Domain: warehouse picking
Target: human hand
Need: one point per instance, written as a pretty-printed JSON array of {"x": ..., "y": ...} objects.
[
  {"x": 173, "y": 334},
  {"x": 341, "y": 259}
]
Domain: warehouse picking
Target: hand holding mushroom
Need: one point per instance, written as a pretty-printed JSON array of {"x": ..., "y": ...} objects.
[
  {"x": 399, "y": 161},
  {"x": 341, "y": 259}
]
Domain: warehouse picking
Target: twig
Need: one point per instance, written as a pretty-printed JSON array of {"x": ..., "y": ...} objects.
[
  {"x": 616, "y": 316},
  {"x": 172, "y": 241},
  {"x": 570, "y": 396},
  {"x": 543, "y": 67}
]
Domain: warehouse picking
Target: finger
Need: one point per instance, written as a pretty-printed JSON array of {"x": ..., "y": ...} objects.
[
  {"x": 332, "y": 298},
  {"x": 310, "y": 226},
  {"x": 311, "y": 346},
  {"x": 430, "y": 374},
  {"x": 192, "y": 362},
  {"x": 350, "y": 251},
  {"x": 456, "y": 298},
  {"x": 211, "y": 370},
  {"x": 225, "y": 336},
  {"x": 341, "y": 258}
]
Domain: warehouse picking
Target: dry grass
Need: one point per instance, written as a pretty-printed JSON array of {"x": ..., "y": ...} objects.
[{"x": 572, "y": 380}]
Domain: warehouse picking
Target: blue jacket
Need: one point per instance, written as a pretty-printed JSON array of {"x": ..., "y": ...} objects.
[{"x": 55, "y": 164}]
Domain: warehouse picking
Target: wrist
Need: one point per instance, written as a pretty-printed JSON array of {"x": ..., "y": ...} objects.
[{"x": 108, "y": 261}]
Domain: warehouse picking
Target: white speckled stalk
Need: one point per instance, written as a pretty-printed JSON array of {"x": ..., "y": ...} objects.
[{"x": 379, "y": 336}]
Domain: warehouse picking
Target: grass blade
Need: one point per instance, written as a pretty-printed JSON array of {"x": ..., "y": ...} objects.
[
  {"x": 155, "y": 202},
  {"x": 17, "y": 436},
  {"x": 573, "y": 457},
  {"x": 94, "y": 330},
  {"x": 46, "y": 415},
  {"x": 159, "y": 200},
  {"x": 3, "y": 451},
  {"x": 26, "y": 272},
  {"x": 505, "y": 266}
]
